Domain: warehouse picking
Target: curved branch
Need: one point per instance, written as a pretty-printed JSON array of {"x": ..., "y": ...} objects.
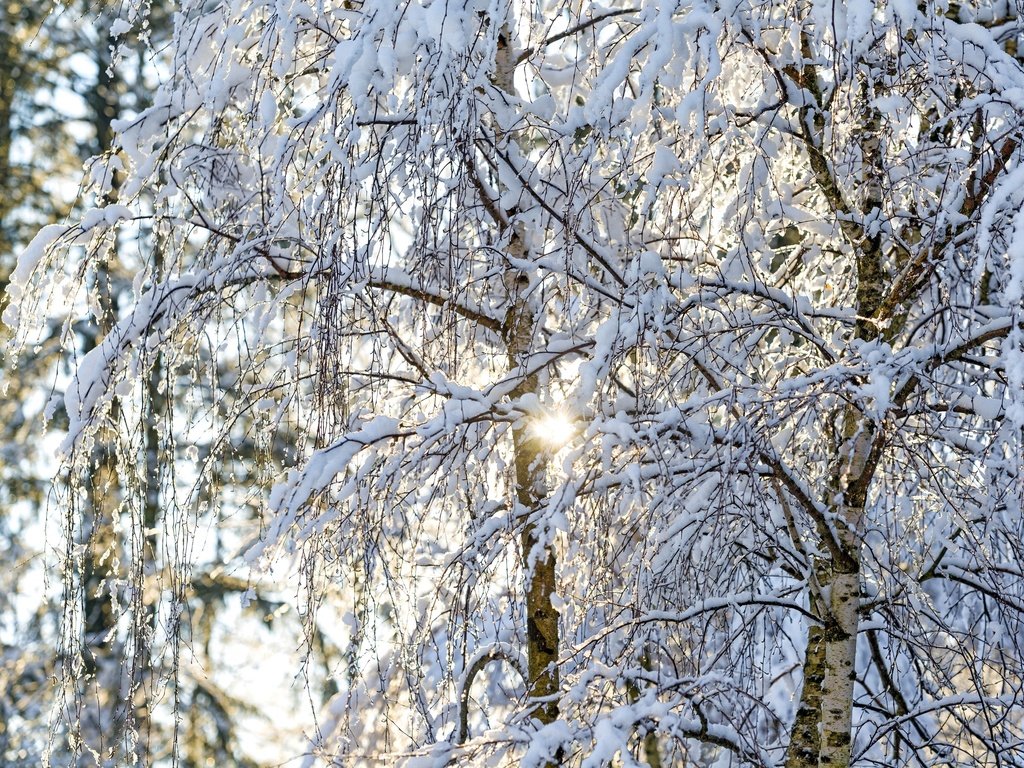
[{"x": 500, "y": 652}]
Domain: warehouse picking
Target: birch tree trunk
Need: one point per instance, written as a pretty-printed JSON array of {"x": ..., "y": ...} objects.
[
  {"x": 822, "y": 733},
  {"x": 538, "y": 559},
  {"x": 531, "y": 461}
]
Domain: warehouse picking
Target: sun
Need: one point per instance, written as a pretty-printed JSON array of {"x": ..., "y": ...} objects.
[{"x": 554, "y": 428}]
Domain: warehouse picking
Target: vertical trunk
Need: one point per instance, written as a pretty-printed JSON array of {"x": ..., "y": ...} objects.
[
  {"x": 122, "y": 711},
  {"x": 144, "y": 564},
  {"x": 805, "y": 741},
  {"x": 539, "y": 563},
  {"x": 821, "y": 735},
  {"x": 541, "y": 617},
  {"x": 531, "y": 467},
  {"x": 838, "y": 646},
  {"x": 104, "y": 492},
  {"x": 8, "y": 87},
  {"x": 102, "y": 485},
  {"x": 651, "y": 752},
  {"x": 822, "y": 732},
  {"x": 859, "y": 451}
]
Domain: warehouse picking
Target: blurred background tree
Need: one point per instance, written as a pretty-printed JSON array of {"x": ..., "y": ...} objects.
[{"x": 63, "y": 83}]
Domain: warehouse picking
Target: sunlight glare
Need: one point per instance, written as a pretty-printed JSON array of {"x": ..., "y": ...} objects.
[{"x": 554, "y": 428}]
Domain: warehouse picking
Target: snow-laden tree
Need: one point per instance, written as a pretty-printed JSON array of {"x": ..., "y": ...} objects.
[{"x": 652, "y": 375}]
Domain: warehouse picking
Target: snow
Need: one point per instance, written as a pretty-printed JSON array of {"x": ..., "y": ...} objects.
[
  {"x": 120, "y": 27},
  {"x": 93, "y": 385},
  {"x": 28, "y": 260},
  {"x": 987, "y": 407},
  {"x": 545, "y": 743},
  {"x": 355, "y": 214}
]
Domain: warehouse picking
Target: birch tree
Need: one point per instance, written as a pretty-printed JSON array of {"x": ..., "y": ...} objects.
[{"x": 652, "y": 374}]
